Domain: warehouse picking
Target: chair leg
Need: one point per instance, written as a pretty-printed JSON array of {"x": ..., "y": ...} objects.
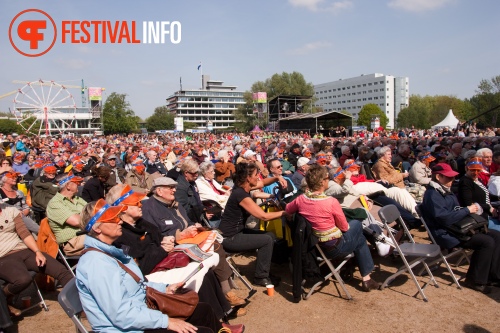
[
  {"x": 335, "y": 272},
  {"x": 232, "y": 265}
]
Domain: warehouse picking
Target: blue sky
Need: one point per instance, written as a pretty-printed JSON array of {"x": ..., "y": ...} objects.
[{"x": 445, "y": 47}]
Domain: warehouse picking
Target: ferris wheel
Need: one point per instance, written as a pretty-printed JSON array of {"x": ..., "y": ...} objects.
[{"x": 44, "y": 105}]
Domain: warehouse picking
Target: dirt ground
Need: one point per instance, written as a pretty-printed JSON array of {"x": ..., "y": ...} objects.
[{"x": 394, "y": 309}]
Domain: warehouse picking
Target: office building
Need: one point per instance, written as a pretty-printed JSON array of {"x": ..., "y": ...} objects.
[
  {"x": 212, "y": 106},
  {"x": 390, "y": 93}
]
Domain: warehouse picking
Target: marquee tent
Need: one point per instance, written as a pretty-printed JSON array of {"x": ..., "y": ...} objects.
[{"x": 450, "y": 121}]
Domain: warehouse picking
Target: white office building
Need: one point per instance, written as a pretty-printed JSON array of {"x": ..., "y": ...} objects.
[
  {"x": 212, "y": 107},
  {"x": 390, "y": 93}
]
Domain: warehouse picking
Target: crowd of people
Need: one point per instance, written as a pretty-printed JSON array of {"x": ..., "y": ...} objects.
[{"x": 133, "y": 200}]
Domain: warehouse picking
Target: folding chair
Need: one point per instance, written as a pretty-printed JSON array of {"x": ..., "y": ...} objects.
[
  {"x": 70, "y": 302},
  {"x": 47, "y": 241},
  {"x": 420, "y": 252},
  {"x": 442, "y": 258},
  {"x": 41, "y": 301},
  {"x": 334, "y": 271},
  {"x": 236, "y": 272}
]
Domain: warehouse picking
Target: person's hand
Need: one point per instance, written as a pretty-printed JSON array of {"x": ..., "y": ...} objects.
[
  {"x": 190, "y": 231},
  {"x": 168, "y": 243},
  {"x": 172, "y": 288},
  {"x": 494, "y": 212},
  {"x": 40, "y": 259},
  {"x": 26, "y": 212},
  {"x": 348, "y": 174},
  {"x": 405, "y": 174},
  {"x": 282, "y": 181},
  {"x": 180, "y": 326},
  {"x": 473, "y": 208},
  {"x": 209, "y": 216}
]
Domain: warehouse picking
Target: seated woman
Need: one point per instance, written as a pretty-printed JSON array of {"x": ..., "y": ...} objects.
[
  {"x": 19, "y": 254},
  {"x": 441, "y": 208},
  {"x": 337, "y": 237},
  {"x": 162, "y": 210},
  {"x": 112, "y": 300},
  {"x": 14, "y": 197},
  {"x": 471, "y": 190},
  {"x": 208, "y": 187},
  {"x": 383, "y": 169},
  {"x": 238, "y": 208},
  {"x": 148, "y": 248},
  {"x": 420, "y": 173}
]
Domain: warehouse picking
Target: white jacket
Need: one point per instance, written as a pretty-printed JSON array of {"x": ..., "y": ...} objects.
[{"x": 206, "y": 191}]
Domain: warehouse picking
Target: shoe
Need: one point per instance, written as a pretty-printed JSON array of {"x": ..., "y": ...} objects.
[
  {"x": 370, "y": 285},
  {"x": 239, "y": 328},
  {"x": 241, "y": 312},
  {"x": 482, "y": 288},
  {"x": 262, "y": 282},
  {"x": 234, "y": 300},
  {"x": 14, "y": 311},
  {"x": 275, "y": 279}
]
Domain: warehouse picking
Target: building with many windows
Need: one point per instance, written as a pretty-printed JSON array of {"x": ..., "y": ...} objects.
[
  {"x": 390, "y": 93},
  {"x": 211, "y": 106}
]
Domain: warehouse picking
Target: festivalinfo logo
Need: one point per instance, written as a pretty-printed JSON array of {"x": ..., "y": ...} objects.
[{"x": 33, "y": 32}]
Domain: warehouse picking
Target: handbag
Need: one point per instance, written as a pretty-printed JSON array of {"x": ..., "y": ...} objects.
[
  {"x": 173, "y": 260},
  {"x": 468, "y": 226},
  {"x": 180, "y": 305}
]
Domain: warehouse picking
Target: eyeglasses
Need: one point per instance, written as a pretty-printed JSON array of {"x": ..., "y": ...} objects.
[
  {"x": 193, "y": 173},
  {"x": 5, "y": 163},
  {"x": 279, "y": 167}
]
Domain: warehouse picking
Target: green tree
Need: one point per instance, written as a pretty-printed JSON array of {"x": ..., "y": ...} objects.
[
  {"x": 368, "y": 111},
  {"x": 161, "y": 119},
  {"x": 8, "y": 126},
  {"x": 487, "y": 97},
  {"x": 117, "y": 115},
  {"x": 190, "y": 125}
]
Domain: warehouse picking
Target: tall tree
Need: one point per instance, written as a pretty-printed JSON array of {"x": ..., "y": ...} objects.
[
  {"x": 368, "y": 112},
  {"x": 161, "y": 119},
  {"x": 487, "y": 97},
  {"x": 117, "y": 115}
]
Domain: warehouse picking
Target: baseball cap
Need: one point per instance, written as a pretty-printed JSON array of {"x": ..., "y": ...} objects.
[
  {"x": 249, "y": 153},
  {"x": 128, "y": 197},
  {"x": 303, "y": 161},
  {"x": 444, "y": 169}
]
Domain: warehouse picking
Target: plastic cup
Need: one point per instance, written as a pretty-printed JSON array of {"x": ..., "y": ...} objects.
[
  {"x": 26, "y": 301},
  {"x": 270, "y": 290}
]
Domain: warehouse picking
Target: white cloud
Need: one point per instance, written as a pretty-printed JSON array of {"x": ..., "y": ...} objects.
[
  {"x": 418, "y": 5},
  {"x": 322, "y": 5},
  {"x": 309, "y": 47},
  {"x": 74, "y": 63}
]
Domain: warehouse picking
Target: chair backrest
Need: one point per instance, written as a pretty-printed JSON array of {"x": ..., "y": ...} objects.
[
  {"x": 70, "y": 302},
  {"x": 389, "y": 214}
]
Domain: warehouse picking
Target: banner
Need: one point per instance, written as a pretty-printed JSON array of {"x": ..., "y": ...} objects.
[{"x": 95, "y": 94}]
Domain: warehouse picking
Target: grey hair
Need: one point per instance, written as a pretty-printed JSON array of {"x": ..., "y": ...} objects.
[
  {"x": 205, "y": 167},
  {"x": 189, "y": 166},
  {"x": 86, "y": 215},
  {"x": 383, "y": 150},
  {"x": 480, "y": 152},
  {"x": 403, "y": 147},
  {"x": 469, "y": 153},
  {"x": 344, "y": 149},
  {"x": 222, "y": 153},
  {"x": 114, "y": 193}
]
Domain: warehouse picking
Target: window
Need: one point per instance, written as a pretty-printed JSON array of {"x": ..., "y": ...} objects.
[
  {"x": 387, "y": 104},
  {"x": 370, "y": 84},
  {"x": 364, "y": 84}
]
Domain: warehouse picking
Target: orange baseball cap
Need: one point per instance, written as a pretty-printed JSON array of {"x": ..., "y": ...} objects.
[
  {"x": 105, "y": 213},
  {"x": 128, "y": 197}
]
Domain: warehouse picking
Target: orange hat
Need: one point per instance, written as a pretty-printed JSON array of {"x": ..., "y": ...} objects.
[
  {"x": 78, "y": 165},
  {"x": 19, "y": 156},
  {"x": 475, "y": 163},
  {"x": 128, "y": 197},
  {"x": 105, "y": 213},
  {"x": 351, "y": 165},
  {"x": 61, "y": 163},
  {"x": 49, "y": 168},
  {"x": 12, "y": 174},
  {"x": 307, "y": 153},
  {"x": 39, "y": 162},
  {"x": 71, "y": 178},
  {"x": 339, "y": 174},
  {"x": 426, "y": 157}
]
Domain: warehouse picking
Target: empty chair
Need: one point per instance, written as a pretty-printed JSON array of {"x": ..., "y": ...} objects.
[
  {"x": 418, "y": 252},
  {"x": 70, "y": 302},
  {"x": 442, "y": 258}
]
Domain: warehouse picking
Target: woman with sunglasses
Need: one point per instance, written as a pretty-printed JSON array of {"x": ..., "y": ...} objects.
[
  {"x": 111, "y": 298},
  {"x": 471, "y": 190},
  {"x": 337, "y": 237},
  {"x": 146, "y": 245}
]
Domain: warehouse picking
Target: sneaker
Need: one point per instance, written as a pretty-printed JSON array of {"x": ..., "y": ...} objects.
[
  {"x": 234, "y": 300},
  {"x": 262, "y": 282},
  {"x": 239, "y": 328},
  {"x": 370, "y": 285}
]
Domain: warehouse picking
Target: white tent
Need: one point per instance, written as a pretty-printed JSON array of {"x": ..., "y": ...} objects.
[{"x": 450, "y": 121}]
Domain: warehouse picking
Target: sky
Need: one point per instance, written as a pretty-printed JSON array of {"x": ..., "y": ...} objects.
[{"x": 445, "y": 47}]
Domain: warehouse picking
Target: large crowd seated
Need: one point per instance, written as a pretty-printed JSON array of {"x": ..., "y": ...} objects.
[{"x": 135, "y": 198}]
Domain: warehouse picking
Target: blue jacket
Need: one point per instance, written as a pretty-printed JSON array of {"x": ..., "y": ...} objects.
[
  {"x": 441, "y": 208},
  {"x": 111, "y": 299}
]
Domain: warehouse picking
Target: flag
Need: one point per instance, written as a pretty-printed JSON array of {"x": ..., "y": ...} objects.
[{"x": 199, "y": 66}]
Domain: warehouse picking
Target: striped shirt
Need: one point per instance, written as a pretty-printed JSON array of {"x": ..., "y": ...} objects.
[{"x": 59, "y": 210}]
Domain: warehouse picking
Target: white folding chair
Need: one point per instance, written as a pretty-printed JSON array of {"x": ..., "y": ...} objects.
[
  {"x": 420, "y": 252},
  {"x": 334, "y": 271},
  {"x": 70, "y": 302},
  {"x": 442, "y": 258}
]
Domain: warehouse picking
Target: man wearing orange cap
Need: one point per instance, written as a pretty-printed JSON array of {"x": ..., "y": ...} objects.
[
  {"x": 63, "y": 212},
  {"x": 44, "y": 188}
]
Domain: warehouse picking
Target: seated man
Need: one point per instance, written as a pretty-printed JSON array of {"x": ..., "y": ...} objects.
[
  {"x": 303, "y": 164},
  {"x": 154, "y": 165},
  {"x": 275, "y": 170},
  {"x": 44, "y": 187},
  {"x": 63, "y": 212}
]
